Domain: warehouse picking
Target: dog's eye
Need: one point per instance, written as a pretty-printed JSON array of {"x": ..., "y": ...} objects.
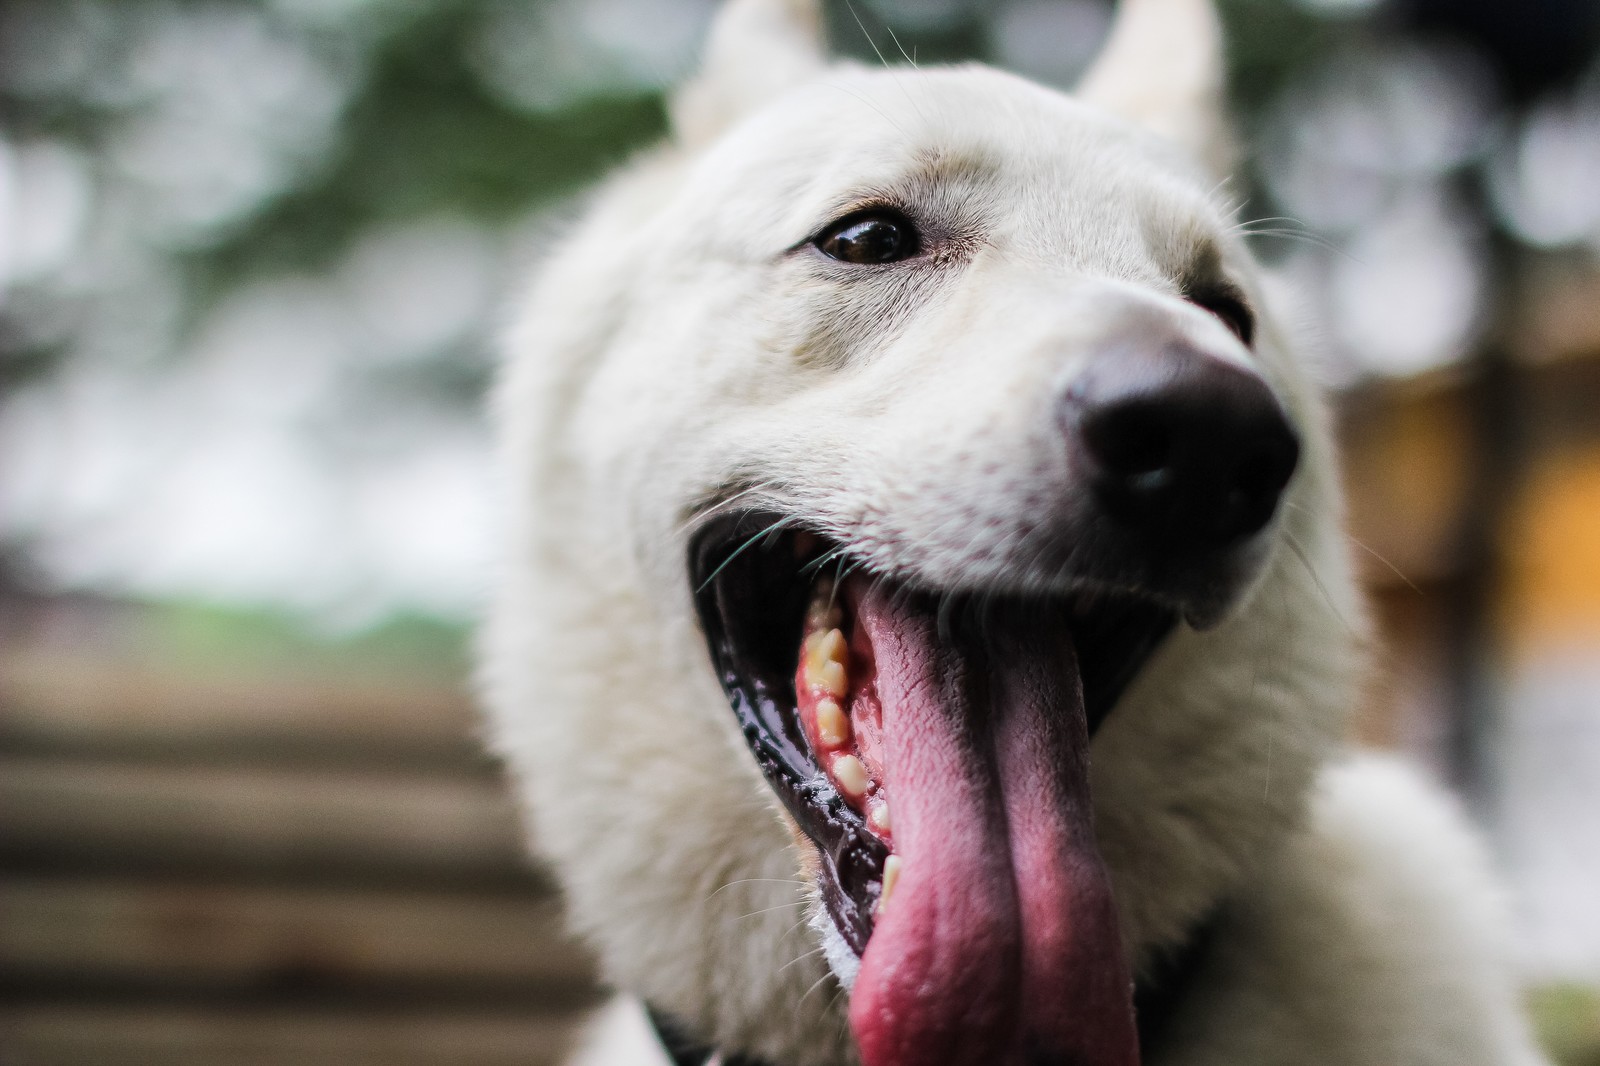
[
  {"x": 1231, "y": 308},
  {"x": 874, "y": 237}
]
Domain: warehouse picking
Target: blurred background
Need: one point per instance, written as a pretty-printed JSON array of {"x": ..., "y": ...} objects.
[{"x": 253, "y": 256}]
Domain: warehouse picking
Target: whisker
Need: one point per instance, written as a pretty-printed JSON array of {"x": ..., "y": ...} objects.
[
  {"x": 723, "y": 505},
  {"x": 879, "y": 52},
  {"x": 900, "y": 46},
  {"x": 772, "y": 530},
  {"x": 815, "y": 985},
  {"x": 802, "y": 957},
  {"x": 1308, "y": 238},
  {"x": 769, "y": 910},
  {"x": 1311, "y": 572},
  {"x": 1364, "y": 546},
  {"x": 1240, "y": 226},
  {"x": 881, "y": 113},
  {"x": 835, "y": 1000},
  {"x": 823, "y": 560},
  {"x": 799, "y": 884},
  {"x": 863, "y": 27},
  {"x": 1294, "y": 230},
  {"x": 1228, "y": 205}
]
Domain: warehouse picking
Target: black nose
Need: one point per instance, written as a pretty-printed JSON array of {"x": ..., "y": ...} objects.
[{"x": 1179, "y": 447}]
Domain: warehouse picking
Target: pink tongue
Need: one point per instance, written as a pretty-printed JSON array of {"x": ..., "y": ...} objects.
[{"x": 1000, "y": 942}]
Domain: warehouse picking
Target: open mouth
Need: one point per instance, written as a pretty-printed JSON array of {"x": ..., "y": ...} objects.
[{"x": 933, "y": 747}]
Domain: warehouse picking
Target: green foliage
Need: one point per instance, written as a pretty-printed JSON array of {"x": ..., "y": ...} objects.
[
  {"x": 200, "y": 639},
  {"x": 1267, "y": 41},
  {"x": 422, "y": 135},
  {"x": 1567, "y": 1017}
]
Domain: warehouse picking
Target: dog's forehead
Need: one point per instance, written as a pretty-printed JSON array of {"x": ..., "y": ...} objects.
[{"x": 971, "y": 135}]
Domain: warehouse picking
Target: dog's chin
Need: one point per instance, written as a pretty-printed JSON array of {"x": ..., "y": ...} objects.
[{"x": 931, "y": 745}]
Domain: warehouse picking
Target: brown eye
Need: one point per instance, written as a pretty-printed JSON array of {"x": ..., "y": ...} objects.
[
  {"x": 1230, "y": 307},
  {"x": 876, "y": 237}
]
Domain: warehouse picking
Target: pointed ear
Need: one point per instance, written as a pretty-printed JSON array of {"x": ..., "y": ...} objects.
[
  {"x": 757, "y": 49},
  {"x": 1162, "y": 67}
]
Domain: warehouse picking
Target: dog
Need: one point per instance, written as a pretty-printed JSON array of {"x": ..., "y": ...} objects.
[{"x": 927, "y": 634}]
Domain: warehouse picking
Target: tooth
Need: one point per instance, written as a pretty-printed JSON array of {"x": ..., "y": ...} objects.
[
  {"x": 851, "y": 775},
  {"x": 891, "y": 875},
  {"x": 831, "y": 680},
  {"x": 826, "y": 676},
  {"x": 832, "y": 648},
  {"x": 833, "y": 725},
  {"x": 879, "y": 817},
  {"x": 827, "y": 645}
]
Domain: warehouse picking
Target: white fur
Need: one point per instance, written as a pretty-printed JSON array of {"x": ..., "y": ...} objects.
[
  {"x": 1182, "y": 40},
  {"x": 1380, "y": 929},
  {"x": 619, "y": 1034},
  {"x": 671, "y": 348}
]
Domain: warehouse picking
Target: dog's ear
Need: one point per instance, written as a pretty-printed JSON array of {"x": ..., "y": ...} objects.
[
  {"x": 1163, "y": 67},
  {"x": 757, "y": 49}
]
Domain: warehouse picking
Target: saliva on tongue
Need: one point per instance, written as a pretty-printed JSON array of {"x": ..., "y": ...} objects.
[{"x": 1000, "y": 945}]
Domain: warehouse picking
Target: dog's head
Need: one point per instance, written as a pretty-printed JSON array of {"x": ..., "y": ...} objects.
[{"x": 937, "y": 422}]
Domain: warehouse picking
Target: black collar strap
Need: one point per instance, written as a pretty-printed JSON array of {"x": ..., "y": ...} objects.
[
  {"x": 1156, "y": 998},
  {"x": 1168, "y": 979}
]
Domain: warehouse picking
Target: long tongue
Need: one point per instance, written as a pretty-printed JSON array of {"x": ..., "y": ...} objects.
[{"x": 1000, "y": 942}]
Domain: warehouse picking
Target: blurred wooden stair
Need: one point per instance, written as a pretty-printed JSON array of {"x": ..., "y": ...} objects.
[{"x": 219, "y": 870}]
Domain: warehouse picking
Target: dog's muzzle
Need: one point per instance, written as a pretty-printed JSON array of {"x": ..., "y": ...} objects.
[{"x": 933, "y": 743}]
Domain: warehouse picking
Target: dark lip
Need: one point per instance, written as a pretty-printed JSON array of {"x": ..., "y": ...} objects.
[{"x": 751, "y": 591}]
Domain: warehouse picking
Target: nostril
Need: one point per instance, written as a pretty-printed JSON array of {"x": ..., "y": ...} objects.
[
  {"x": 1256, "y": 482},
  {"x": 1260, "y": 473},
  {"x": 1184, "y": 450},
  {"x": 1135, "y": 451},
  {"x": 1132, "y": 441}
]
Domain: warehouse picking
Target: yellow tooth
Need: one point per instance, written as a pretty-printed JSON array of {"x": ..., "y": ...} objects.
[
  {"x": 879, "y": 817},
  {"x": 826, "y": 645},
  {"x": 830, "y": 679},
  {"x": 825, "y": 655},
  {"x": 891, "y": 875},
  {"x": 851, "y": 776},
  {"x": 832, "y": 648},
  {"x": 833, "y": 725}
]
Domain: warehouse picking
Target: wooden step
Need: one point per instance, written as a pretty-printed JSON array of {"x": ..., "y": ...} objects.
[
  {"x": 70, "y": 1034},
  {"x": 63, "y": 702},
  {"x": 220, "y": 937},
  {"x": 100, "y": 815}
]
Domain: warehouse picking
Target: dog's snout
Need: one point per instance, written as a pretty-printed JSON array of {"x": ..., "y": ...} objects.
[{"x": 1179, "y": 446}]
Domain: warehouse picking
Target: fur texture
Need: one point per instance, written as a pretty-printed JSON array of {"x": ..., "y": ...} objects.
[{"x": 672, "y": 347}]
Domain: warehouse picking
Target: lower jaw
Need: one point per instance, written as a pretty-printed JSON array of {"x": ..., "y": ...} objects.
[{"x": 843, "y": 960}]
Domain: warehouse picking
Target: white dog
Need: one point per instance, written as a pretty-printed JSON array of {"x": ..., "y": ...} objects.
[{"x": 928, "y": 634}]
